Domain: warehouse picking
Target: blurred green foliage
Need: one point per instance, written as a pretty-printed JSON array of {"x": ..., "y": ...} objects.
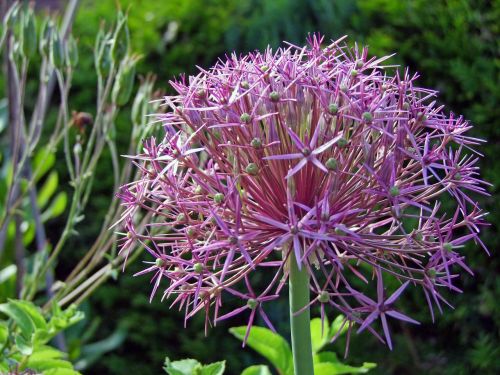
[{"x": 453, "y": 44}]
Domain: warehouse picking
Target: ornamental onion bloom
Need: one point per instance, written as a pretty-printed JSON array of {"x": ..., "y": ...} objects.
[{"x": 316, "y": 153}]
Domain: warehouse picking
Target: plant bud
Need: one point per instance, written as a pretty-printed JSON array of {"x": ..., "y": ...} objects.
[
  {"x": 367, "y": 116},
  {"x": 72, "y": 52},
  {"x": 121, "y": 39},
  {"x": 333, "y": 109},
  {"x": 124, "y": 82},
  {"x": 57, "y": 51},
  {"x": 218, "y": 198},
  {"x": 252, "y": 169},
  {"x": 394, "y": 191},
  {"x": 331, "y": 164},
  {"x": 45, "y": 37},
  {"x": 274, "y": 96},
  {"x": 28, "y": 35},
  {"x": 324, "y": 297},
  {"x": 256, "y": 143},
  {"x": 245, "y": 118},
  {"x": 252, "y": 304},
  {"x": 102, "y": 54}
]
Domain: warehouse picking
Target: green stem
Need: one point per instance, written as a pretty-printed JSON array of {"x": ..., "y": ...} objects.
[{"x": 300, "y": 323}]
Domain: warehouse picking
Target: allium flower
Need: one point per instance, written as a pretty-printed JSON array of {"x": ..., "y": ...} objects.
[{"x": 311, "y": 155}]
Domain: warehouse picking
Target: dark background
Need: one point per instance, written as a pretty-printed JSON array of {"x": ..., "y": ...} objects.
[{"x": 454, "y": 44}]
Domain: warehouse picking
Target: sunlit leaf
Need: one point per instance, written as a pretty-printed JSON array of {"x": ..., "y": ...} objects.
[
  {"x": 182, "y": 367},
  {"x": 42, "y": 163},
  {"x": 20, "y": 317},
  {"x": 56, "y": 208},
  {"x": 268, "y": 344},
  {"x": 216, "y": 368},
  {"x": 48, "y": 189},
  {"x": 257, "y": 370}
]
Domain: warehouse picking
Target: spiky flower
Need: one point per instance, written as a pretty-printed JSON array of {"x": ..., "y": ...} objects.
[{"x": 308, "y": 154}]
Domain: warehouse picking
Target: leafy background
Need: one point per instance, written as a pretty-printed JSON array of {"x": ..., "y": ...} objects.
[{"x": 454, "y": 44}]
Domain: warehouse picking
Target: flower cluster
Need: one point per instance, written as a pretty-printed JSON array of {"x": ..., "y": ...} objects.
[{"x": 311, "y": 154}]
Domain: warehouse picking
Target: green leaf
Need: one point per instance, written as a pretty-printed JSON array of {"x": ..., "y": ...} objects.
[
  {"x": 319, "y": 334},
  {"x": 216, "y": 368},
  {"x": 48, "y": 189},
  {"x": 257, "y": 370},
  {"x": 42, "y": 336},
  {"x": 47, "y": 364},
  {"x": 182, "y": 367},
  {"x": 33, "y": 311},
  {"x": 4, "y": 333},
  {"x": 4, "y": 367},
  {"x": 42, "y": 162},
  {"x": 23, "y": 344},
  {"x": 326, "y": 357},
  {"x": 338, "y": 325},
  {"x": 56, "y": 208},
  {"x": 328, "y": 368},
  {"x": 61, "y": 371},
  {"x": 269, "y": 344},
  {"x": 45, "y": 352},
  {"x": 20, "y": 317}
]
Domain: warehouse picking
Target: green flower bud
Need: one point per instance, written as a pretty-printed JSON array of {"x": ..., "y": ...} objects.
[
  {"x": 359, "y": 64},
  {"x": 274, "y": 96},
  {"x": 121, "y": 39},
  {"x": 45, "y": 37},
  {"x": 219, "y": 198},
  {"x": 198, "y": 267},
  {"x": 124, "y": 82},
  {"x": 57, "y": 53},
  {"x": 367, "y": 116},
  {"x": 72, "y": 52},
  {"x": 331, "y": 164},
  {"x": 245, "y": 85},
  {"x": 252, "y": 304},
  {"x": 11, "y": 16},
  {"x": 406, "y": 106},
  {"x": 333, "y": 109},
  {"x": 181, "y": 218},
  {"x": 102, "y": 53},
  {"x": 432, "y": 273},
  {"x": 252, "y": 169},
  {"x": 28, "y": 35},
  {"x": 342, "y": 142},
  {"x": 245, "y": 118},
  {"x": 256, "y": 143},
  {"x": 394, "y": 191},
  {"x": 354, "y": 73},
  {"x": 160, "y": 262},
  {"x": 198, "y": 189},
  {"x": 344, "y": 88},
  {"x": 458, "y": 176},
  {"x": 448, "y": 246},
  {"x": 190, "y": 232},
  {"x": 324, "y": 297}
]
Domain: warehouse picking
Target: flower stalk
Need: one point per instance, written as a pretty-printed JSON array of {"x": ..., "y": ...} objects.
[{"x": 300, "y": 318}]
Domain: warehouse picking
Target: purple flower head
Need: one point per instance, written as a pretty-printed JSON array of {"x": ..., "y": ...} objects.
[{"x": 313, "y": 151}]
